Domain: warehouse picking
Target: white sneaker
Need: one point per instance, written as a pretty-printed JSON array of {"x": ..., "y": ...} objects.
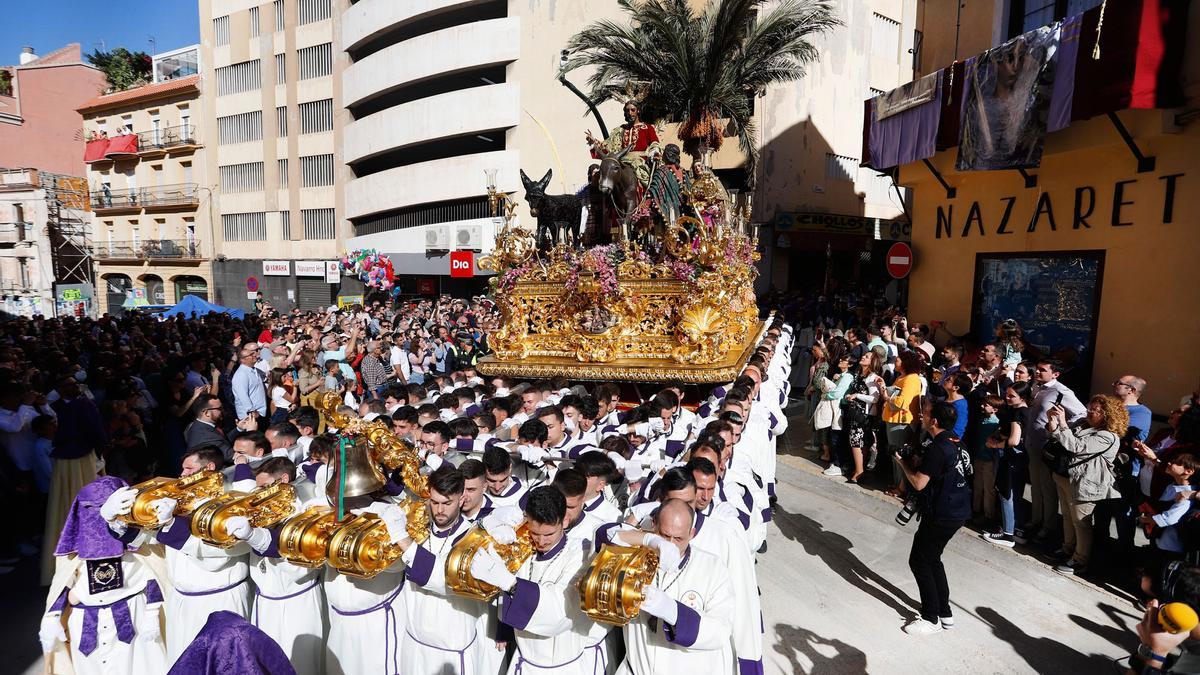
[
  {"x": 833, "y": 471},
  {"x": 922, "y": 627},
  {"x": 947, "y": 622}
]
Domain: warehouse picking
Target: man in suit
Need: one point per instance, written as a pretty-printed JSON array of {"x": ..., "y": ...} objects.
[{"x": 205, "y": 429}]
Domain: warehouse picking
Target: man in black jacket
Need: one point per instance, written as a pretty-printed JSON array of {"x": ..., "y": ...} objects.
[
  {"x": 942, "y": 477},
  {"x": 206, "y": 428}
]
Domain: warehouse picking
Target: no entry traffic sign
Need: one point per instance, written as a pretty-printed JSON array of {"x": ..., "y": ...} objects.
[{"x": 899, "y": 260}]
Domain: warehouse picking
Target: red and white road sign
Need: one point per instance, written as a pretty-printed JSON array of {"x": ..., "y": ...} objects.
[{"x": 899, "y": 260}]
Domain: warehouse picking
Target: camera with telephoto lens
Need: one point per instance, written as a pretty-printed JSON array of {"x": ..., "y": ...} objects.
[{"x": 907, "y": 512}]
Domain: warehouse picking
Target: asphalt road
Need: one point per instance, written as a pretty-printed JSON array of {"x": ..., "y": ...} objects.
[{"x": 837, "y": 589}]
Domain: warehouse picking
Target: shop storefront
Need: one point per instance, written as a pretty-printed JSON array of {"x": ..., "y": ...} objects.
[
  {"x": 1092, "y": 248},
  {"x": 829, "y": 250}
]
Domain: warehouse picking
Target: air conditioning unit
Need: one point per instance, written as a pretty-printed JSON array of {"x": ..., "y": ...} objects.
[
  {"x": 469, "y": 237},
  {"x": 437, "y": 238}
]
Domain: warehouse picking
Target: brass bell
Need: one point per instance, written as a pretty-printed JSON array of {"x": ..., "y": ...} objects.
[{"x": 362, "y": 474}]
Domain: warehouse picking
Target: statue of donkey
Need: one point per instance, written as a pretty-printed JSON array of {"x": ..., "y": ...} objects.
[{"x": 552, "y": 211}]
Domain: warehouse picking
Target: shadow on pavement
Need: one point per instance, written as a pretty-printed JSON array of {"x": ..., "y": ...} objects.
[
  {"x": 1045, "y": 655},
  {"x": 835, "y": 551},
  {"x": 827, "y": 656}
]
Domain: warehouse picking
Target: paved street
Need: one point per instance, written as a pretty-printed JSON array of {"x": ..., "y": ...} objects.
[{"x": 836, "y": 590}]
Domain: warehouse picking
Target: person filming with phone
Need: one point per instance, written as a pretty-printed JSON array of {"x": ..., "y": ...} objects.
[{"x": 941, "y": 476}]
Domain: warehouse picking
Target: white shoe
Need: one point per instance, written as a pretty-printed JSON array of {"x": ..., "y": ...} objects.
[
  {"x": 833, "y": 471},
  {"x": 947, "y": 622},
  {"x": 922, "y": 627}
]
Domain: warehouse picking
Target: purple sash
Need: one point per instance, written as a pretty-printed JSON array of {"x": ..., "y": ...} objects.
[
  {"x": 462, "y": 653},
  {"x": 196, "y": 594},
  {"x": 91, "y": 618},
  {"x": 391, "y": 644},
  {"x": 521, "y": 661},
  {"x": 259, "y": 594}
]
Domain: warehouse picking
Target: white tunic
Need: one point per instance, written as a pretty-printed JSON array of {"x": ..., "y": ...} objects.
[
  {"x": 289, "y": 605},
  {"x": 698, "y": 641},
  {"x": 442, "y": 629},
  {"x": 366, "y": 621},
  {"x": 724, "y": 540},
  {"x": 205, "y": 578},
  {"x": 552, "y": 633},
  {"x": 111, "y": 655}
]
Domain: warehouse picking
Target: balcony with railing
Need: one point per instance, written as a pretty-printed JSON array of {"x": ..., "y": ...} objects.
[
  {"x": 155, "y": 142},
  {"x": 149, "y": 249},
  {"x": 159, "y": 198}
]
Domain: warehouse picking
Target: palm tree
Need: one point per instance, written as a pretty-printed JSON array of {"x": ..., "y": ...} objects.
[{"x": 702, "y": 70}]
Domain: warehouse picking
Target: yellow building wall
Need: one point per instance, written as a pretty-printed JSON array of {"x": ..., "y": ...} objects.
[{"x": 1148, "y": 320}]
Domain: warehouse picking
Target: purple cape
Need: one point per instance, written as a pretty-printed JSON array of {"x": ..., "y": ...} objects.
[
  {"x": 229, "y": 644},
  {"x": 85, "y": 533}
]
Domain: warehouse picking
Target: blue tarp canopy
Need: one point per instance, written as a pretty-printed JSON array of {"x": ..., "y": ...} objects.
[{"x": 193, "y": 306}]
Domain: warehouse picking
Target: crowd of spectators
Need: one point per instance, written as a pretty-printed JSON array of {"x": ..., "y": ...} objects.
[{"x": 130, "y": 396}]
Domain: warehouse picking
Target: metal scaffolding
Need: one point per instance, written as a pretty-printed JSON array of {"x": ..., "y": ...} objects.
[{"x": 68, "y": 227}]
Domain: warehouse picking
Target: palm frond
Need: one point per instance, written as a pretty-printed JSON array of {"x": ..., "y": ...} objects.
[{"x": 703, "y": 66}]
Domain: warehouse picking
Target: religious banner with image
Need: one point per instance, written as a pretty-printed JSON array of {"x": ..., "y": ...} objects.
[{"x": 1007, "y": 102}]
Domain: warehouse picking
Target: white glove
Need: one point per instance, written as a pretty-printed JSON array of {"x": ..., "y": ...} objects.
[
  {"x": 657, "y": 603},
  {"x": 446, "y": 414},
  {"x": 148, "y": 627},
  {"x": 568, "y": 424},
  {"x": 433, "y": 461},
  {"x": 564, "y": 391},
  {"x": 374, "y": 507},
  {"x": 164, "y": 509},
  {"x": 501, "y": 391},
  {"x": 506, "y": 515},
  {"x": 259, "y": 539},
  {"x": 618, "y": 460},
  {"x": 118, "y": 503},
  {"x": 520, "y": 418},
  {"x": 488, "y": 567},
  {"x": 657, "y": 425},
  {"x": 396, "y": 521},
  {"x": 532, "y": 453},
  {"x": 668, "y": 553},
  {"x": 552, "y": 399},
  {"x": 634, "y": 471},
  {"x": 657, "y": 465},
  {"x": 51, "y": 632},
  {"x": 642, "y": 429},
  {"x": 503, "y": 534},
  {"x": 238, "y": 527}
]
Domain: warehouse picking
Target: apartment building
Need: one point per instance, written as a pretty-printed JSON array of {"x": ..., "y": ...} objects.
[
  {"x": 151, "y": 203},
  {"x": 274, "y": 117},
  {"x": 44, "y": 254},
  {"x": 820, "y": 210},
  {"x": 440, "y": 92},
  {"x": 39, "y": 123}
]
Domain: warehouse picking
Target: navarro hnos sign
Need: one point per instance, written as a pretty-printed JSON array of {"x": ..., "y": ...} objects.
[{"x": 1081, "y": 209}]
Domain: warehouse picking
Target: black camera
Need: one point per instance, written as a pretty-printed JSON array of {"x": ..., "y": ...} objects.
[{"x": 905, "y": 451}]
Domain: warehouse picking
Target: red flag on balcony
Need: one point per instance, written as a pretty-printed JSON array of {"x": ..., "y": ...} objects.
[
  {"x": 95, "y": 150},
  {"x": 1140, "y": 49},
  {"x": 125, "y": 144}
]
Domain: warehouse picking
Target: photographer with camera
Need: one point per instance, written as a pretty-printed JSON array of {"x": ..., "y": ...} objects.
[
  {"x": 940, "y": 475},
  {"x": 1169, "y": 636}
]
